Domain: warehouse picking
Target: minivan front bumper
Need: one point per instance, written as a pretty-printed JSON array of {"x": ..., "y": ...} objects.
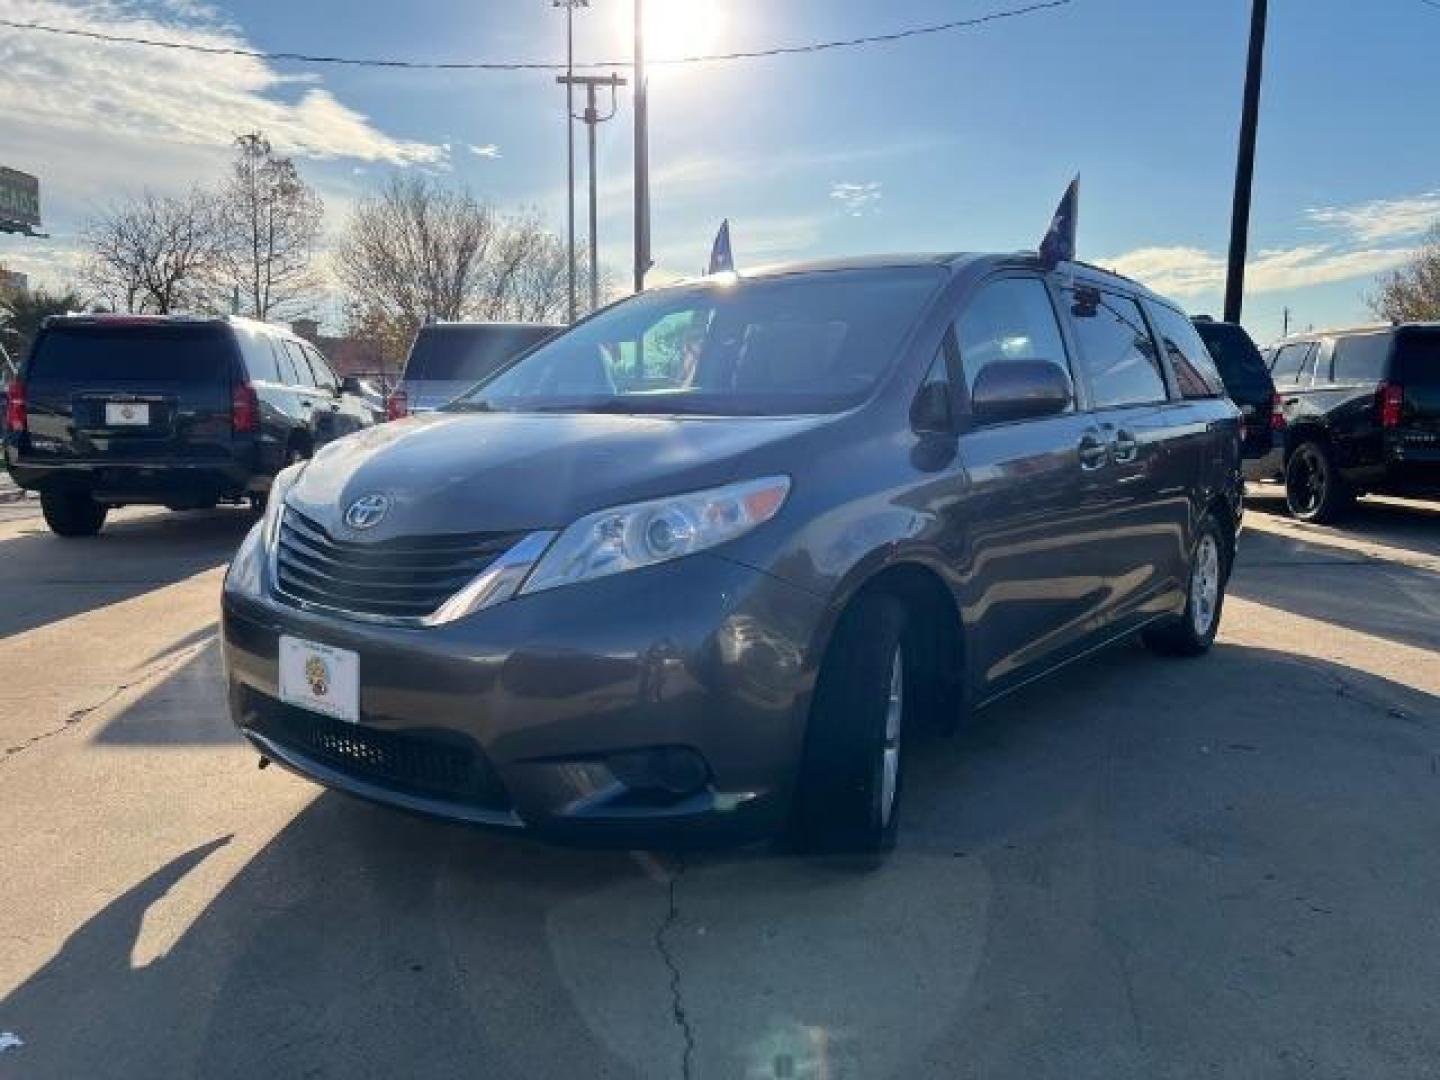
[{"x": 544, "y": 712}]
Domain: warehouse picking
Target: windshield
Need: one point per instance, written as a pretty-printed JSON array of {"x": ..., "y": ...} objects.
[
  {"x": 468, "y": 353},
  {"x": 802, "y": 344}
]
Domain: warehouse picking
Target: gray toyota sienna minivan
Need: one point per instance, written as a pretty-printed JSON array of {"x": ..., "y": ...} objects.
[{"x": 698, "y": 568}]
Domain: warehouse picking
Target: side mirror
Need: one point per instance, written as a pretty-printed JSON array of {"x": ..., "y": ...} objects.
[
  {"x": 350, "y": 385},
  {"x": 1020, "y": 390},
  {"x": 931, "y": 410}
]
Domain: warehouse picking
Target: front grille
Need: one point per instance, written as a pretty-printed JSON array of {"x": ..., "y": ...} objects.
[
  {"x": 408, "y": 577},
  {"x": 434, "y": 765}
]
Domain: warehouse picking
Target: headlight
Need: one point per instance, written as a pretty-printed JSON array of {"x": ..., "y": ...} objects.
[
  {"x": 641, "y": 534},
  {"x": 275, "y": 503}
]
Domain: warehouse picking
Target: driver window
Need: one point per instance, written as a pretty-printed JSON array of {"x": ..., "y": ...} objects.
[{"x": 1007, "y": 320}]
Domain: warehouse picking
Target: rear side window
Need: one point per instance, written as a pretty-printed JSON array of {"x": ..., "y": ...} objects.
[
  {"x": 324, "y": 377},
  {"x": 1009, "y": 319},
  {"x": 101, "y": 355},
  {"x": 1360, "y": 359},
  {"x": 1116, "y": 349},
  {"x": 1289, "y": 361},
  {"x": 1195, "y": 372},
  {"x": 468, "y": 353},
  {"x": 303, "y": 375}
]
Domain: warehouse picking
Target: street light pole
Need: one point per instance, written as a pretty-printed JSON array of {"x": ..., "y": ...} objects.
[
  {"x": 1245, "y": 164},
  {"x": 642, "y": 153}
]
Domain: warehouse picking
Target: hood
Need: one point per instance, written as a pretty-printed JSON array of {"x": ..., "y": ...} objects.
[{"x": 510, "y": 472}]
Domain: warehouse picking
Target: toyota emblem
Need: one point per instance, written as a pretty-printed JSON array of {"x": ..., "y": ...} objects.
[{"x": 367, "y": 511}]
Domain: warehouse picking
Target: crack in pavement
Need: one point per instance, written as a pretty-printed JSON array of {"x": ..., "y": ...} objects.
[
  {"x": 677, "y": 1000},
  {"x": 77, "y": 715}
]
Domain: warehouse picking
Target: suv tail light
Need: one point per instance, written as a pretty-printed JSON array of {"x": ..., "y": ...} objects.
[
  {"x": 244, "y": 409},
  {"x": 1391, "y": 398},
  {"x": 16, "y": 415},
  {"x": 1277, "y": 413},
  {"x": 397, "y": 405}
]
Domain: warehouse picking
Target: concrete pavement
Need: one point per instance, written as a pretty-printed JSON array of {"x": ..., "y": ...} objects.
[{"x": 1148, "y": 868}]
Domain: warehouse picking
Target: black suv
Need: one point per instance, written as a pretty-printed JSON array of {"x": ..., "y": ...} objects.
[
  {"x": 1247, "y": 382},
  {"x": 169, "y": 410},
  {"x": 446, "y": 359},
  {"x": 1359, "y": 412},
  {"x": 702, "y": 565}
]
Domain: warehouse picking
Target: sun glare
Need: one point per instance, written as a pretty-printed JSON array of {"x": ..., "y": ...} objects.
[{"x": 676, "y": 28}]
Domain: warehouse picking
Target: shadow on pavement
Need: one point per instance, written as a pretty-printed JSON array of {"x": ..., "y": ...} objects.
[
  {"x": 1387, "y": 599},
  {"x": 1144, "y": 868},
  {"x": 44, "y": 578},
  {"x": 1412, "y": 525}
]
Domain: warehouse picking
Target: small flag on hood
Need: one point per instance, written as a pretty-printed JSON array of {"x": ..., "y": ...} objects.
[
  {"x": 721, "y": 261},
  {"x": 1059, "y": 243}
]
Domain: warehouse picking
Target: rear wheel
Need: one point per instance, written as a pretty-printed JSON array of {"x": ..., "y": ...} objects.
[
  {"x": 72, "y": 513},
  {"x": 1194, "y": 632},
  {"x": 1314, "y": 490},
  {"x": 850, "y": 782}
]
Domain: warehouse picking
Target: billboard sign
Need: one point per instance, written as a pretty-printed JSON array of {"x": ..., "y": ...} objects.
[{"x": 19, "y": 201}]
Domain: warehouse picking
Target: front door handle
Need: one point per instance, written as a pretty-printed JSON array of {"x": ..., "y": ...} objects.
[
  {"x": 1093, "y": 454},
  {"x": 1125, "y": 447}
]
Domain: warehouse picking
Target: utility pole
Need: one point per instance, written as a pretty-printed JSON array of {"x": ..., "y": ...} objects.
[
  {"x": 1286, "y": 331},
  {"x": 642, "y": 153},
  {"x": 592, "y": 119},
  {"x": 1245, "y": 163},
  {"x": 570, "y": 6}
]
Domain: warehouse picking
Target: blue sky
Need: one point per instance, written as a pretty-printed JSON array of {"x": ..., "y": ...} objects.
[{"x": 961, "y": 140}]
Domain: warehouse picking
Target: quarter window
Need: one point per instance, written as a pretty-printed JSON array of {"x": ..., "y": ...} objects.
[
  {"x": 1116, "y": 349},
  {"x": 1195, "y": 370},
  {"x": 1009, "y": 319}
]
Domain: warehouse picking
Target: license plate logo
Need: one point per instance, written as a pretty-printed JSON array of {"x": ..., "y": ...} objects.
[
  {"x": 127, "y": 413},
  {"x": 320, "y": 678}
]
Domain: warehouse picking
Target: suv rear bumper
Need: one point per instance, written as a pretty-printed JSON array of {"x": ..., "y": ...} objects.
[{"x": 162, "y": 482}]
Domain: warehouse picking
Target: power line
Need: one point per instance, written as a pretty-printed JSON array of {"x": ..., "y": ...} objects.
[{"x": 522, "y": 65}]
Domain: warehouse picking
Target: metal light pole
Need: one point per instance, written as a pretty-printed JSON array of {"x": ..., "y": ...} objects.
[
  {"x": 570, "y": 6},
  {"x": 642, "y": 153},
  {"x": 1245, "y": 164},
  {"x": 592, "y": 120}
]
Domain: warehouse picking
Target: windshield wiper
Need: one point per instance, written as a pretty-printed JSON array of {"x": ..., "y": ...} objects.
[{"x": 469, "y": 405}]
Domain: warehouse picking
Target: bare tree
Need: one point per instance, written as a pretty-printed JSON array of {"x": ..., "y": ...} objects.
[
  {"x": 271, "y": 221},
  {"x": 156, "y": 253},
  {"x": 1411, "y": 293},
  {"x": 415, "y": 252}
]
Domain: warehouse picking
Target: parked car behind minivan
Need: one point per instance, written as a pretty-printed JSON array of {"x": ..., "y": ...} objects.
[
  {"x": 446, "y": 359},
  {"x": 710, "y": 559},
  {"x": 1359, "y": 413},
  {"x": 1247, "y": 381},
  {"x": 173, "y": 411}
]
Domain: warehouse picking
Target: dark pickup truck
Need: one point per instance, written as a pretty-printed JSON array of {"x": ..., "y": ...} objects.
[
  {"x": 1358, "y": 412},
  {"x": 175, "y": 411}
]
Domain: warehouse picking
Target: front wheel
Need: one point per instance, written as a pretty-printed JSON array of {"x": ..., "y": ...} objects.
[
  {"x": 848, "y": 793},
  {"x": 72, "y": 513},
  {"x": 1194, "y": 631}
]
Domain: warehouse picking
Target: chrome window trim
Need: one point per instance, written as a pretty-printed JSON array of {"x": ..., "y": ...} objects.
[{"x": 495, "y": 584}]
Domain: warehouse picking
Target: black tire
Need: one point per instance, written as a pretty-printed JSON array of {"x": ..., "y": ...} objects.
[
  {"x": 842, "y": 802},
  {"x": 1193, "y": 632},
  {"x": 72, "y": 513},
  {"x": 1315, "y": 492}
]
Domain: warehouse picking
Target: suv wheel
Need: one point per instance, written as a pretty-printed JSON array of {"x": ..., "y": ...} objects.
[
  {"x": 1314, "y": 489},
  {"x": 848, "y": 792},
  {"x": 72, "y": 513},
  {"x": 1194, "y": 631}
]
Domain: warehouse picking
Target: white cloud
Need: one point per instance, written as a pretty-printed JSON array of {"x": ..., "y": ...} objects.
[
  {"x": 857, "y": 199},
  {"x": 1382, "y": 219},
  {"x": 1190, "y": 271},
  {"x": 58, "y": 83},
  {"x": 489, "y": 150}
]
